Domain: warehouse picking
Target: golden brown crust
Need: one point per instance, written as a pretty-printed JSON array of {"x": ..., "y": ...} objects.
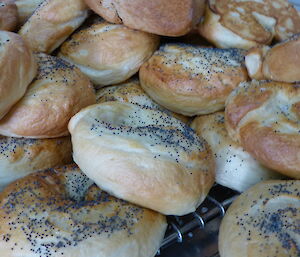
[
  {"x": 282, "y": 61},
  {"x": 17, "y": 69},
  {"x": 192, "y": 80},
  {"x": 132, "y": 92},
  {"x": 59, "y": 91},
  {"x": 235, "y": 168},
  {"x": 8, "y": 15},
  {"x": 21, "y": 156},
  {"x": 60, "y": 212},
  {"x": 26, "y": 8},
  {"x": 254, "y": 22},
  {"x": 52, "y": 22},
  {"x": 109, "y": 53},
  {"x": 263, "y": 221},
  {"x": 143, "y": 155},
  {"x": 264, "y": 118},
  {"x": 167, "y": 18}
]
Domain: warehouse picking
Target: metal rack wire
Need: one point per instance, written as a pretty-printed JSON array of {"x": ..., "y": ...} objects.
[{"x": 214, "y": 206}]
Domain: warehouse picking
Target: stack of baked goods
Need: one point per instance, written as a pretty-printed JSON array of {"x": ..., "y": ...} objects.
[{"x": 104, "y": 130}]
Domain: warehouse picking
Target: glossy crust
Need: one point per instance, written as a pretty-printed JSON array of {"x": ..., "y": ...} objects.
[
  {"x": 52, "y": 22},
  {"x": 263, "y": 221},
  {"x": 192, "y": 80},
  {"x": 17, "y": 69},
  {"x": 142, "y": 155},
  {"x": 235, "y": 23},
  {"x": 60, "y": 212},
  {"x": 132, "y": 92},
  {"x": 235, "y": 168},
  {"x": 21, "y": 156},
  {"x": 109, "y": 53},
  {"x": 8, "y": 15},
  {"x": 162, "y": 17},
  {"x": 264, "y": 117},
  {"x": 59, "y": 91},
  {"x": 26, "y": 8}
]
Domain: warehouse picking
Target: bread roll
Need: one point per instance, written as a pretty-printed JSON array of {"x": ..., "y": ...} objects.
[
  {"x": 280, "y": 63},
  {"x": 8, "y": 15},
  {"x": 59, "y": 91},
  {"x": 108, "y": 53},
  {"x": 131, "y": 92},
  {"x": 263, "y": 221},
  {"x": 26, "y": 8},
  {"x": 52, "y": 22},
  {"x": 143, "y": 156},
  {"x": 17, "y": 69},
  {"x": 162, "y": 17},
  {"x": 192, "y": 80},
  {"x": 264, "y": 118},
  {"x": 248, "y": 23},
  {"x": 235, "y": 168},
  {"x": 60, "y": 212},
  {"x": 21, "y": 156}
]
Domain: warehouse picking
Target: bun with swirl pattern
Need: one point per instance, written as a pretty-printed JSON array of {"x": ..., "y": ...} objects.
[
  {"x": 143, "y": 156},
  {"x": 263, "y": 221},
  {"x": 60, "y": 212}
]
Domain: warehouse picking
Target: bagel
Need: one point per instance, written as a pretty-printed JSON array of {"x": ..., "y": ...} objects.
[
  {"x": 17, "y": 69},
  {"x": 162, "y": 17},
  {"x": 108, "y": 53},
  {"x": 248, "y": 23},
  {"x": 143, "y": 156},
  {"x": 279, "y": 63},
  {"x": 131, "y": 92},
  {"x": 21, "y": 156},
  {"x": 26, "y": 8},
  {"x": 263, "y": 221},
  {"x": 235, "y": 168},
  {"x": 192, "y": 80},
  {"x": 52, "y": 22},
  {"x": 60, "y": 212},
  {"x": 8, "y": 15},
  {"x": 264, "y": 117},
  {"x": 59, "y": 91}
]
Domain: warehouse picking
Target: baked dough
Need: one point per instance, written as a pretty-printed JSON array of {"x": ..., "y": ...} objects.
[
  {"x": 59, "y": 91},
  {"x": 8, "y": 15},
  {"x": 264, "y": 117},
  {"x": 192, "y": 80},
  {"x": 108, "y": 53},
  {"x": 143, "y": 156},
  {"x": 26, "y": 8},
  {"x": 235, "y": 168},
  {"x": 263, "y": 221},
  {"x": 59, "y": 212},
  {"x": 17, "y": 69},
  {"x": 21, "y": 156}
]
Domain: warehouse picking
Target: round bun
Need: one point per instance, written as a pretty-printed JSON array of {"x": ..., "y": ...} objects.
[
  {"x": 263, "y": 221},
  {"x": 26, "y": 8},
  {"x": 132, "y": 92},
  {"x": 244, "y": 24},
  {"x": 8, "y": 15},
  {"x": 264, "y": 118},
  {"x": 17, "y": 69},
  {"x": 143, "y": 155},
  {"x": 59, "y": 91},
  {"x": 192, "y": 80},
  {"x": 52, "y": 22},
  {"x": 109, "y": 53},
  {"x": 279, "y": 63},
  {"x": 60, "y": 212},
  {"x": 162, "y": 17},
  {"x": 21, "y": 156},
  {"x": 235, "y": 168}
]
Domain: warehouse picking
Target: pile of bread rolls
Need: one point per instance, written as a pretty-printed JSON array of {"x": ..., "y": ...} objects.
[{"x": 111, "y": 119}]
